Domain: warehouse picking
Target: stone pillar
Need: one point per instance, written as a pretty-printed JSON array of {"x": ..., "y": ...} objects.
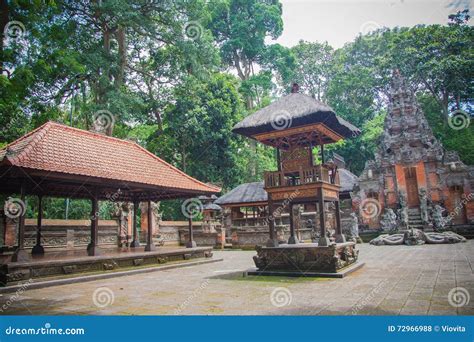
[
  {"x": 20, "y": 253},
  {"x": 135, "y": 243},
  {"x": 92, "y": 248},
  {"x": 293, "y": 240},
  {"x": 273, "y": 240},
  {"x": 38, "y": 248},
  {"x": 191, "y": 243},
  {"x": 323, "y": 239},
  {"x": 149, "y": 240},
  {"x": 340, "y": 238}
]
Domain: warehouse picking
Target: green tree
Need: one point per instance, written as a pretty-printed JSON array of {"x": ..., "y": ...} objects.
[{"x": 313, "y": 67}]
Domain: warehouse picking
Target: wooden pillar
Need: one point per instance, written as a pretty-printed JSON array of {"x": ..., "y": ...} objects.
[
  {"x": 278, "y": 155},
  {"x": 20, "y": 253},
  {"x": 322, "y": 154},
  {"x": 340, "y": 238},
  {"x": 323, "y": 239},
  {"x": 273, "y": 240},
  {"x": 135, "y": 243},
  {"x": 92, "y": 248},
  {"x": 149, "y": 240},
  {"x": 191, "y": 243},
  {"x": 293, "y": 240},
  {"x": 38, "y": 248}
]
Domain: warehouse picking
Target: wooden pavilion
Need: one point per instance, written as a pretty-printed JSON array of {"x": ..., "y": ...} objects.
[
  {"x": 295, "y": 125},
  {"x": 56, "y": 160}
]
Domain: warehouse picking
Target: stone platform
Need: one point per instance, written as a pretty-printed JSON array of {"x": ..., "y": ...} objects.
[
  {"x": 306, "y": 259},
  {"x": 58, "y": 264}
]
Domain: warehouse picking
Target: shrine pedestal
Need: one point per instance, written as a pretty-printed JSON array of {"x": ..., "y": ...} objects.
[{"x": 307, "y": 260}]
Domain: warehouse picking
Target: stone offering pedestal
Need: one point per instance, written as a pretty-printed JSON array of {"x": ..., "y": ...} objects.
[{"x": 307, "y": 260}]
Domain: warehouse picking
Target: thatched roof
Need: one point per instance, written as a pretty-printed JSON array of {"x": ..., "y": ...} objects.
[
  {"x": 211, "y": 206},
  {"x": 244, "y": 193},
  {"x": 347, "y": 180},
  {"x": 297, "y": 110}
]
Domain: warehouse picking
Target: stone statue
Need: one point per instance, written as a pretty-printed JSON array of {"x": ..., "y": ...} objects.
[
  {"x": 424, "y": 207},
  {"x": 354, "y": 228},
  {"x": 122, "y": 210},
  {"x": 438, "y": 220},
  {"x": 389, "y": 221},
  {"x": 155, "y": 206},
  {"x": 413, "y": 237},
  {"x": 403, "y": 211}
]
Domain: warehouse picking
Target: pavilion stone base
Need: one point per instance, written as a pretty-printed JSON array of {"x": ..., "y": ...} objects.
[
  {"x": 306, "y": 259},
  {"x": 15, "y": 272},
  {"x": 249, "y": 237}
]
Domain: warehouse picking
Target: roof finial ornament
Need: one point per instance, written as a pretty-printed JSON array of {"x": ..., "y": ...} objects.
[{"x": 295, "y": 88}]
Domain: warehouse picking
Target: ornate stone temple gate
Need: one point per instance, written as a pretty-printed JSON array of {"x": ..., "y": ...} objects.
[
  {"x": 296, "y": 125},
  {"x": 413, "y": 179}
]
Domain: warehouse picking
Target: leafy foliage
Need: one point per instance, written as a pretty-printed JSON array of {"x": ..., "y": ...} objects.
[{"x": 177, "y": 75}]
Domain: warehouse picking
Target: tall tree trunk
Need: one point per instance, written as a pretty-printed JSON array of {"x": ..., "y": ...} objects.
[
  {"x": 122, "y": 50},
  {"x": 4, "y": 19},
  {"x": 445, "y": 104}
]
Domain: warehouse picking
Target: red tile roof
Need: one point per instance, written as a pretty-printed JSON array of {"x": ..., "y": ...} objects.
[{"x": 58, "y": 148}]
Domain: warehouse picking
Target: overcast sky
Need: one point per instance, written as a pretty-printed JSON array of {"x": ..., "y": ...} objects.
[{"x": 340, "y": 21}]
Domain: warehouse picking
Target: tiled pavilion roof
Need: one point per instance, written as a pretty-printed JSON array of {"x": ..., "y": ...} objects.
[{"x": 74, "y": 154}]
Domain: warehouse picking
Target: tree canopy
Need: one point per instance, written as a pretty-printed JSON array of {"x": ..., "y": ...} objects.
[{"x": 176, "y": 75}]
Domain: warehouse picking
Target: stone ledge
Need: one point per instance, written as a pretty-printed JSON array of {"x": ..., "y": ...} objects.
[
  {"x": 339, "y": 274},
  {"x": 40, "y": 283}
]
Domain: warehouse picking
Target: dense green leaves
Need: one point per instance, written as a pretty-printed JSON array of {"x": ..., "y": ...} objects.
[{"x": 177, "y": 75}]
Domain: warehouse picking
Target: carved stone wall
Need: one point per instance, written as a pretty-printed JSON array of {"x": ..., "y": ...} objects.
[
  {"x": 61, "y": 233},
  {"x": 409, "y": 162}
]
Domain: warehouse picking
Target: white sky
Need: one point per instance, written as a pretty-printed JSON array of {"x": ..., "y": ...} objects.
[{"x": 340, "y": 21}]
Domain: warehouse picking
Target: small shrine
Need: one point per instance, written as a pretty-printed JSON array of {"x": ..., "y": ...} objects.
[
  {"x": 414, "y": 183},
  {"x": 298, "y": 127},
  {"x": 210, "y": 214}
]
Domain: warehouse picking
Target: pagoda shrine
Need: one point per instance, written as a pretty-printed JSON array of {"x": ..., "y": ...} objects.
[
  {"x": 297, "y": 125},
  {"x": 413, "y": 178}
]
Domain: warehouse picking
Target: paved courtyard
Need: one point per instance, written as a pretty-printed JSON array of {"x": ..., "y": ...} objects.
[{"x": 395, "y": 280}]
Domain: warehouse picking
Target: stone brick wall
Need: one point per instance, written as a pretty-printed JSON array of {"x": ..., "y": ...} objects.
[{"x": 59, "y": 233}]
